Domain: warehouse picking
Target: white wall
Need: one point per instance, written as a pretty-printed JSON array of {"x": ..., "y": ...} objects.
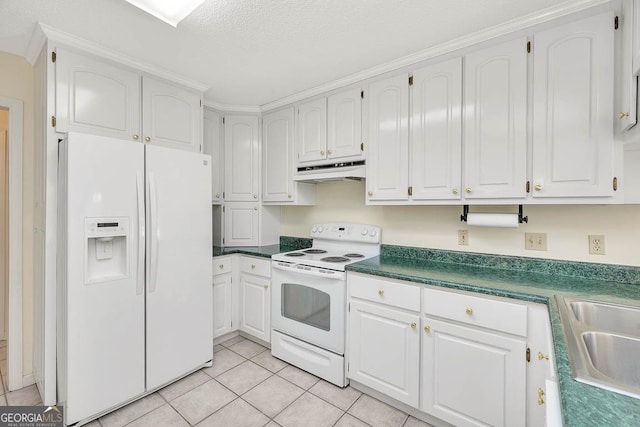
[
  {"x": 567, "y": 227},
  {"x": 16, "y": 81}
]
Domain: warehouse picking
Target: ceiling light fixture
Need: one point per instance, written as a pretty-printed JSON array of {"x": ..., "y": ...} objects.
[{"x": 169, "y": 11}]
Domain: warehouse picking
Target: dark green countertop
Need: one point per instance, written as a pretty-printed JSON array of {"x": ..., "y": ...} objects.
[{"x": 533, "y": 280}]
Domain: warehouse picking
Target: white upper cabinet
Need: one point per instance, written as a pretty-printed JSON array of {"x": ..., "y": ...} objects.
[
  {"x": 387, "y": 176},
  {"x": 277, "y": 152},
  {"x": 573, "y": 109},
  {"x": 344, "y": 125},
  {"x": 241, "y": 224},
  {"x": 627, "y": 82},
  {"x": 242, "y": 158},
  {"x": 312, "y": 132},
  {"x": 635, "y": 21},
  {"x": 103, "y": 98},
  {"x": 495, "y": 109},
  {"x": 172, "y": 116},
  {"x": 93, "y": 96},
  {"x": 212, "y": 145},
  {"x": 436, "y": 130}
]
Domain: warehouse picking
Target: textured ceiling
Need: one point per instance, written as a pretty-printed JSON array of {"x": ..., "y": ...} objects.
[{"x": 251, "y": 52}]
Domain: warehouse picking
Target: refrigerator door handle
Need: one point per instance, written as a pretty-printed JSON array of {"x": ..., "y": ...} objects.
[
  {"x": 141, "y": 233},
  {"x": 153, "y": 229}
]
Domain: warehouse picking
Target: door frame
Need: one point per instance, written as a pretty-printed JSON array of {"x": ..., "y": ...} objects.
[{"x": 14, "y": 301}]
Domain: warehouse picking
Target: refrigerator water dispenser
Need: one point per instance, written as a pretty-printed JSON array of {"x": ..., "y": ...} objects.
[{"x": 107, "y": 247}]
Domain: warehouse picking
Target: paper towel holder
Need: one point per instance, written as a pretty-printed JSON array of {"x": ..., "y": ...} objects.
[{"x": 521, "y": 217}]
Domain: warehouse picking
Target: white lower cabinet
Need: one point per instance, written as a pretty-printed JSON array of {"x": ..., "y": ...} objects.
[
  {"x": 222, "y": 295},
  {"x": 255, "y": 297}
]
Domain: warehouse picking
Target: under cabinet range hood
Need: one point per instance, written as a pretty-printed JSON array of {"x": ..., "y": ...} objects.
[{"x": 333, "y": 172}]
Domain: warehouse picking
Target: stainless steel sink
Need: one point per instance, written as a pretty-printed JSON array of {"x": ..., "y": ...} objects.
[{"x": 603, "y": 342}]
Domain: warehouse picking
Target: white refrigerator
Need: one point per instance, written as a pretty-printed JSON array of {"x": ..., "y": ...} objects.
[{"x": 134, "y": 277}]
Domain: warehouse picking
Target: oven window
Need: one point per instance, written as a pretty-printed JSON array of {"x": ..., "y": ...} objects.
[{"x": 306, "y": 305}]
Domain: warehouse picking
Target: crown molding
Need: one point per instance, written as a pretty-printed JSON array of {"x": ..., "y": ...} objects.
[
  {"x": 506, "y": 28},
  {"x": 231, "y": 107},
  {"x": 57, "y": 36}
]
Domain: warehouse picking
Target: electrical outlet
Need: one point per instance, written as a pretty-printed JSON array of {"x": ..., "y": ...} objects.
[
  {"x": 596, "y": 244},
  {"x": 463, "y": 237},
  {"x": 535, "y": 241}
]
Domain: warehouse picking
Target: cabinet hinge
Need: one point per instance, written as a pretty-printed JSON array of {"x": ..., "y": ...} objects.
[
  {"x": 54, "y": 56},
  {"x": 410, "y": 80},
  {"x": 223, "y": 212},
  {"x": 362, "y": 94},
  {"x": 348, "y": 367},
  {"x": 223, "y": 240},
  {"x": 349, "y": 309},
  {"x": 528, "y": 186},
  {"x": 53, "y": 121},
  {"x": 223, "y": 120},
  {"x": 362, "y": 146},
  {"x": 616, "y": 23},
  {"x": 528, "y": 47},
  {"x": 528, "y": 354},
  {"x": 223, "y": 195},
  {"x": 615, "y": 183},
  {"x": 410, "y": 191},
  {"x": 201, "y": 102}
]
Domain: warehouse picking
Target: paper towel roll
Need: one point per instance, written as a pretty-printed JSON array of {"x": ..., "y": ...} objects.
[{"x": 507, "y": 220}]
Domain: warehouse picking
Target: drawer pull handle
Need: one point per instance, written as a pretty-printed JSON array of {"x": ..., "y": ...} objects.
[
  {"x": 381, "y": 292},
  {"x": 427, "y": 329},
  {"x": 221, "y": 266},
  {"x": 253, "y": 266},
  {"x": 542, "y": 356},
  {"x": 468, "y": 189},
  {"x": 469, "y": 311},
  {"x": 540, "y": 394},
  {"x": 266, "y": 286},
  {"x": 413, "y": 326}
]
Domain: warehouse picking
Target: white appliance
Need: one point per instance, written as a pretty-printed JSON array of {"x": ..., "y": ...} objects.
[
  {"x": 309, "y": 293},
  {"x": 134, "y": 276}
]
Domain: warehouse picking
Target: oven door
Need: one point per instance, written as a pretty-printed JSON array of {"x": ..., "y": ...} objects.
[{"x": 309, "y": 306}]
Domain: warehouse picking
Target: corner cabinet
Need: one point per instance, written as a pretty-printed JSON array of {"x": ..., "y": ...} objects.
[
  {"x": 242, "y": 158},
  {"x": 255, "y": 297},
  {"x": 495, "y": 110},
  {"x": 102, "y": 98},
  {"x": 573, "y": 78},
  {"x": 212, "y": 144},
  {"x": 278, "y": 186}
]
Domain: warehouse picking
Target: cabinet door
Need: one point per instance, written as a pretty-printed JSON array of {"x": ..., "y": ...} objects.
[
  {"x": 472, "y": 377},
  {"x": 388, "y": 159},
  {"x": 495, "y": 108},
  {"x": 572, "y": 111},
  {"x": 95, "y": 97},
  {"x": 384, "y": 350},
  {"x": 636, "y": 37},
  {"x": 255, "y": 301},
  {"x": 221, "y": 305},
  {"x": 277, "y": 138},
  {"x": 436, "y": 127},
  {"x": 344, "y": 122},
  {"x": 172, "y": 116},
  {"x": 212, "y": 145},
  {"x": 242, "y": 158},
  {"x": 627, "y": 82},
  {"x": 312, "y": 132},
  {"x": 241, "y": 224}
]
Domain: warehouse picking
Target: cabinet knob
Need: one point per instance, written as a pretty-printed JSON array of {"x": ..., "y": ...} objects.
[
  {"x": 381, "y": 292},
  {"x": 329, "y": 152},
  {"x": 413, "y": 326},
  {"x": 136, "y": 137},
  {"x": 221, "y": 266},
  {"x": 623, "y": 115},
  {"x": 538, "y": 187},
  {"x": 322, "y": 153},
  {"x": 255, "y": 208},
  {"x": 427, "y": 329},
  {"x": 266, "y": 286},
  {"x": 454, "y": 191},
  {"x": 542, "y": 356},
  {"x": 468, "y": 189},
  {"x": 147, "y": 138},
  {"x": 289, "y": 196},
  {"x": 469, "y": 311},
  {"x": 253, "y": 266},
  {"x": 369, "y": 193},
  {"x": 218, "y": 196},
  {"x": 255, "y": 196}
]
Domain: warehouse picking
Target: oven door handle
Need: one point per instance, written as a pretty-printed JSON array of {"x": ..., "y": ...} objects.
[{"x": 312, "y": 271}]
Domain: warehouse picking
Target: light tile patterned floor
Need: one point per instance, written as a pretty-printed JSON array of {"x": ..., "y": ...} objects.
[{"x": 245, "y": 387}]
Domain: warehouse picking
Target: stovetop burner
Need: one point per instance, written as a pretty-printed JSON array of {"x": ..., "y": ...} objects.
[
  {"x": 314, "y": 251},
  {"x": 354, "y": 255},
  {"x": 294, "y": 254},
  {"x": 335, "y": 259}
]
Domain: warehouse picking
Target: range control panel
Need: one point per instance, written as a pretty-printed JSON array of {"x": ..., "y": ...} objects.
[{"x": 346, "y": 232}]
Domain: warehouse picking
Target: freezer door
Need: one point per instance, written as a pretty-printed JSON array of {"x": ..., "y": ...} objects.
[
  {"x": 101, "y": 286},
  {"x": 179, "y": 250}
]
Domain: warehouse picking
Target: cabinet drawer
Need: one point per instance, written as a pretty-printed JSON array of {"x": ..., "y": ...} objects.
[
  {"x": 387, "y": 292},
  {"x": 488, "y": 313},
  {"x": 260, "y": 267},
  {"x": 222, "y": 265}
]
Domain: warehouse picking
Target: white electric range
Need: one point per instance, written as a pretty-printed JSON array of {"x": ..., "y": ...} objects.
[{"x": 308, "y": 300}]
